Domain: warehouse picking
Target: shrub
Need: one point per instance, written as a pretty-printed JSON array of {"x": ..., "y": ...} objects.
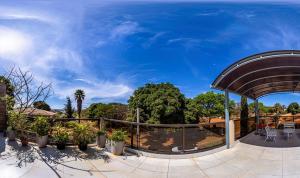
[
  {"x": 83, "y": 133},
  {"x": 101, "y": 132},
  {"x": 17, "y": 121},
  {"x": 60, "y": 134},
  {"x": 41, "y": 126},
  {"x": 71, "y": 124},
  {"x": 12, "y": 120},
  {"x": 118, "y": 135}
]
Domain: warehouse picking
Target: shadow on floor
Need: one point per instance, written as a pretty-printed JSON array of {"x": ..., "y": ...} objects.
[
  {"x": 2, "y": 143},
  {"x": 51, "y": 156}
]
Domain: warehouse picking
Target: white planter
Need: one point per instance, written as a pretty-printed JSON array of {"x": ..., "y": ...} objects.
[
  {"x": 42, "y": 140},
  {"x": 117, "y": 147},
  {"x": 101, "y": 140},
  {"x": 11, "y": 135}
]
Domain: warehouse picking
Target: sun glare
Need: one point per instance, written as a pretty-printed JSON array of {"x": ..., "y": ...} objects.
[{"x": 13, "y": 42}]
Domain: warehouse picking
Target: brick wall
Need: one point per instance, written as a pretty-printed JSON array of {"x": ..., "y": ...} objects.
[{"x": 3, "y": 117}]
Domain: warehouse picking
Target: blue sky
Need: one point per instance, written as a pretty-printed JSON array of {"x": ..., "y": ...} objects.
[{"x": 109, "y": 48}]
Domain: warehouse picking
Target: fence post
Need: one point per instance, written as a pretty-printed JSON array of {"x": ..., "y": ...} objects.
[
  {"x": 102, "y": 124},
  {"x": 131, "y": 135},
  {"x": 183, "y": 138},
  {"x": 98, "y": 124},
  {"x": 293, "y": 118},
  {"x": 137, "y": 127}
]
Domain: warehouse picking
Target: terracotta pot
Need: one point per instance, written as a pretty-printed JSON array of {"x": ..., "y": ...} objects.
[
  {"x": 117, "y": 147},
  {"x": 24, "y": 141},
  {"x": 82, "y": 147},
  {"x": 101, "y": 140},
  {"x": 42, "y": 141},
  {"x": 11, "y": 135},
  {"x": 60, "y": 146}
]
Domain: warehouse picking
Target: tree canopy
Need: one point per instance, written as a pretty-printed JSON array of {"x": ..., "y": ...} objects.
[
  {"x": 10, "y": 101},
  {"x": 41, "y": 105},
  {"x": 293, "y": 108},
  {"x": 261, "y": 107},
  {"x": 79, "y": 97},
  {"x": 278, "y": 108},
  {"x": 111, "y": 111},
  {"x": 69, "y": 110},
  {"x": 158, "y": 103},
  {"x": 192, "y": 112},
  {"x": 212, "y": 104}
]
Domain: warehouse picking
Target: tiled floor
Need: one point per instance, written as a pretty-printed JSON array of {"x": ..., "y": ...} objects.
[{"x": 242, "y": 160}]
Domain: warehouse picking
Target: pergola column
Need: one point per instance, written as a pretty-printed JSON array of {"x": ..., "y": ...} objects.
[
  {"x": 256, "y": 110},
  {"x": 227, "y": 119}
]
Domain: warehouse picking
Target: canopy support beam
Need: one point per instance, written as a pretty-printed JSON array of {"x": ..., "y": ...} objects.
[{"x": 227, "y": 119}]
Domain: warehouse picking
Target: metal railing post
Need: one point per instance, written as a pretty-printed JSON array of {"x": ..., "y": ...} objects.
[
  {"x": 137, "y": 127},
  {"x": 183, "y": 139},
  {"x": 227, "y": 119}
]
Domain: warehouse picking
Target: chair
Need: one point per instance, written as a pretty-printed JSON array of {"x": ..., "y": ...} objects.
[
  {"x": 289, "y": 128},
  {"x": 271, "y": 134}
]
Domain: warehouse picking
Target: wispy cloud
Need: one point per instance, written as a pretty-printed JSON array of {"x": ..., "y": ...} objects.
[
  {"x": 153, "y": 39},
  {"x": 124, "y": 29},
  {"x": 185, "y": 42},
  {"x": 279, "y": 36},
  {"x": 213, "y": 13},
  {"x": 52, "y": 53}
]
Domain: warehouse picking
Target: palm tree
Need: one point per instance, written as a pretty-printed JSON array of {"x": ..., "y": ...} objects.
[{"x": 79, "y": 97}]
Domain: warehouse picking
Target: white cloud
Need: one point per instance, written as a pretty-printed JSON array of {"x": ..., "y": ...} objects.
[
  {"x": 8, "y": 13},
  {"x": 96, "y": 89}
]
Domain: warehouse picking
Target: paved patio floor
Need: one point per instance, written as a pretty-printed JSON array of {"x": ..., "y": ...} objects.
[
  {"x": 242, "y": 160},
  {"x": 282, "y": 140}
]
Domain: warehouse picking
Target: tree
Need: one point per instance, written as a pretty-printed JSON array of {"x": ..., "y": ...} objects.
[
  {"x": 244, "y": 116},
  {"x": 111, "y": 110},
  {"x": 69, "y": 110},
  {"x": 293, "y": 108},
  {"x": 212, "y": 104},
  {"x": 158, "y": 103},
  {"x": 26, "y": 90},
  {"x": 41, "y": 105},
  {"x": 79, "y": 97},
  {"x": 278, "y": 108},
  {"x": 10, "y": 99},
  {"x": 261, "y": 107},
  {"x": 192, "y": 112}
]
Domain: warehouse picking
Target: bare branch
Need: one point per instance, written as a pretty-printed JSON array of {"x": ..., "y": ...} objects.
[{"x": 26, "y": 89}]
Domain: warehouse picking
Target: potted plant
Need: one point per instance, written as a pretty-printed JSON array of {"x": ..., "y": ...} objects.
[
  {"x": 101, "y": 138},
  {"x": 117, "y": 141},
  {"x": 83, "y": 134},
  {"x": 41, "y": 126},
  {"x": 22, "y": 125},
  {"x": 60, "y": 136},
  {"x": 24, "y": 139},
  {"x": 11, "y": 134},
  {"x": 11, "y": 129}
]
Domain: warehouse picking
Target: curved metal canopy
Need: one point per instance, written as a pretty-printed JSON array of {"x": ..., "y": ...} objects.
[{"x": 262, "y": 74}]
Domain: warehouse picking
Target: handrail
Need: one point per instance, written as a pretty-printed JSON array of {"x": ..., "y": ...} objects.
[{"x": 162, "y": 125}]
